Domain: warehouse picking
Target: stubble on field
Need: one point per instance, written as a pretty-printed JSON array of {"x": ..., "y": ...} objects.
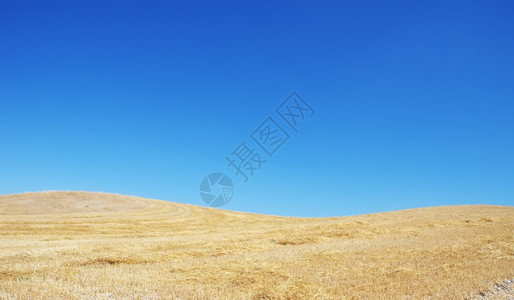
[{"x": 104, "y": 246}]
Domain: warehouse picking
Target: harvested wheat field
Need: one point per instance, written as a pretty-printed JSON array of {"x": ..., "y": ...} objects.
[{"x": 78, "y": 245}]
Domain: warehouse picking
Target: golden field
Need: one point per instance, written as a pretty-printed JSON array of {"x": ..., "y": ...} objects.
[{"x": 79, "y": 245}]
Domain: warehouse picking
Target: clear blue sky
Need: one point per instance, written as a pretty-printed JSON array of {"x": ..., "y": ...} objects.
[{"x": 414, "y": 101}]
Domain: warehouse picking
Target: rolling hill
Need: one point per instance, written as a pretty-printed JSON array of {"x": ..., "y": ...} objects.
[{"x": 81, "y": 245}]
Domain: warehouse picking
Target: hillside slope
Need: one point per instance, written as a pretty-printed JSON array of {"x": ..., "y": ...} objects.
[{"x": 102, "y": 246}]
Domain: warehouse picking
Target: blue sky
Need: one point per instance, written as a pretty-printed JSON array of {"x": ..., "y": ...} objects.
[{"x": 414, "y": 101}]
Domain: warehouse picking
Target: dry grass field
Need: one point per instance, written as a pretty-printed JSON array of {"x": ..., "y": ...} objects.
[{"x": 78, "y": 245}]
